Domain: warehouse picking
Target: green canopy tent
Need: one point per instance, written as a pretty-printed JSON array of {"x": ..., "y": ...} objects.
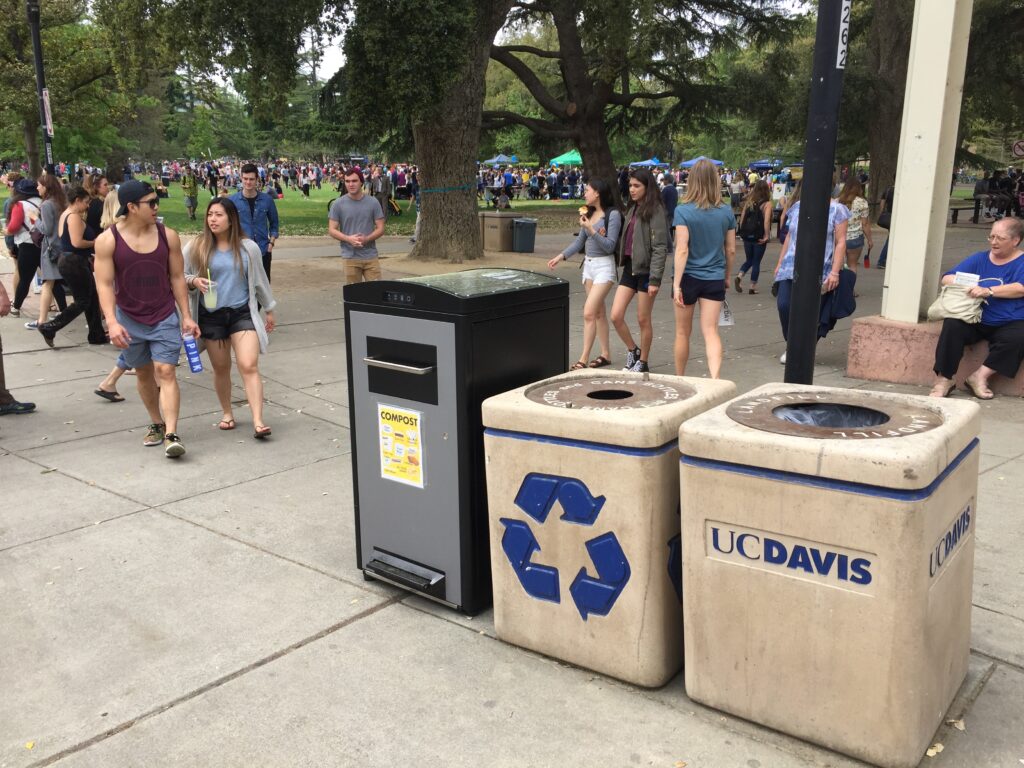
[{"x": 571, "y": 157}]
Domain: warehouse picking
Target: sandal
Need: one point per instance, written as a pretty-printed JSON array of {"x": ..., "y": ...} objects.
[
  {"x": 943, "y": 388},
  {"x": 752, "y": 291},
  {"x": 599, "y": 362},
  {"x": 737, "y": 282},
  {"x": 261, "y": 432},
  {"x": 113, "y": 397},
  {"x": 979, "y": 390},
  {"x": 226, "y": 424},
  {"x": 578, "y": 365}
]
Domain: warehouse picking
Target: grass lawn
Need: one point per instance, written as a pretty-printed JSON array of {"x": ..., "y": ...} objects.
[{"x": 300, "y": 216}]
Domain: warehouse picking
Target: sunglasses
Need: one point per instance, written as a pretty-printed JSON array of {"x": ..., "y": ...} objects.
[{"x": 153, "y": 204}]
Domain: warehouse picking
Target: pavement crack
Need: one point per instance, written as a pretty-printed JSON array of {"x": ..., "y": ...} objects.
[{"x": 213, "y": 684}]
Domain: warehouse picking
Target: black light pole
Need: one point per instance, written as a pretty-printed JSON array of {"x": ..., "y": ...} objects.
[
  {"x": 831, "y": 45},
  {"x": 44, "y": 108}
]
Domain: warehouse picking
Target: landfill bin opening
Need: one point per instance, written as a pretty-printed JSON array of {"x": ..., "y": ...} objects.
[
  {"x": 609, "y": 394},
  {"x": 831, "y": 415}
]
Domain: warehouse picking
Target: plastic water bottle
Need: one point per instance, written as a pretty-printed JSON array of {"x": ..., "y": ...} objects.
[{"x": 192, "y": 353}]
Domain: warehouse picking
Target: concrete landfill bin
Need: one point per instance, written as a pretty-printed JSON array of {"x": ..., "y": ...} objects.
[
  {"x": 497, "y": 229},
  {"x": 583, "y": 499},
  {"x": 828, "y": 569}
]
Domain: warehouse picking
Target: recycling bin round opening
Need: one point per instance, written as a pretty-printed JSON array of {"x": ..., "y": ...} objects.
[
  {"x": 833, "y": 415},
  {"x": 609, "y": 394}
]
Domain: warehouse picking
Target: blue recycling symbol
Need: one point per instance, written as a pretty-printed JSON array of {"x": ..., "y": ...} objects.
[{"x": 536, "y": 497}]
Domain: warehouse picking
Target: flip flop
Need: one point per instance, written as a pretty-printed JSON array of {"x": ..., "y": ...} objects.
[
  {"x": 261, "y": 432},
  {"x": 599, "y": 362},
  {"x": 980, "y": 391},
  {"x": 737, "y": 282},
  {"x": 113, "y": 397},
  {"x": 229, "y": 422},
  {"x": 578, "y": 365}
]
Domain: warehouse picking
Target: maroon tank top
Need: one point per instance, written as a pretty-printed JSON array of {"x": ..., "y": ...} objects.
[{"x": 142, "y": 285}]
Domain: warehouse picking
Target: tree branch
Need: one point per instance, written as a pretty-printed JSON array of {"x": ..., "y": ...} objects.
[
  {"x": 546, "y": 128},
  {"x": 535, "y": 51},
  {"x": 627, "y": 99},
  {"x": 529, "y": 79}
]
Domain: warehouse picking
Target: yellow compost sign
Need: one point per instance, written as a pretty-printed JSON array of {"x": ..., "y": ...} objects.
[{"x": 401, "y": 447}]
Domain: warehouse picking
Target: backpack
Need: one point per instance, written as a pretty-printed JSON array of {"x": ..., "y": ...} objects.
[{"x": 752, "y": 227}]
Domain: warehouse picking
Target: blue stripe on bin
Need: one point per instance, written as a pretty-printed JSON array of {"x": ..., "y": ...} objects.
[
  {"x": 864, "y": 489},
  {"x": 585, "y": 444}
]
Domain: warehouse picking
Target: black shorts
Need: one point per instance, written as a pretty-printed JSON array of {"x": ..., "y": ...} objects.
[
  {"x": 638, "y": 283},
  {"x": 694, "y": 288},
  {"x": 221, "y": 323}
]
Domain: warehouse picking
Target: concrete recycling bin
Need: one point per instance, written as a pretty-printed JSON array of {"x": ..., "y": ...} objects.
[
  {"x": 583, "y": 500},
  {"x": 497, "y": 230},
  {"x": 828, "y": 550}
]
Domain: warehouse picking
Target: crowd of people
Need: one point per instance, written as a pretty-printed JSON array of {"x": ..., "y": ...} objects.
[
  {"x": 83, "y": 235},
  {"x": 141, "y": 291}
]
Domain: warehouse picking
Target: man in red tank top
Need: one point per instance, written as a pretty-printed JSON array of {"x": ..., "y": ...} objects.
[{"x": 140, "y": 277}]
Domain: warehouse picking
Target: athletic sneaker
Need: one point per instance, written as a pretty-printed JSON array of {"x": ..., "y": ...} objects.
[
  {"x": 639, "y": 367},
  {"x": 154, "y": 435},
  {"x": 15, "y": 312},
  {"x": 33, "y": 325},
  {"x": 173, "y": 447},
  {"x": 632, "y": 355}
]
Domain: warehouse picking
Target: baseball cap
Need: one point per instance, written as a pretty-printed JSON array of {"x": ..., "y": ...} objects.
[{"x": 131, "y": 191}]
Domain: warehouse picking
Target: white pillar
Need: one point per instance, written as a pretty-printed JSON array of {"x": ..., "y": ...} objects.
[{"x": 931, "y": 115}]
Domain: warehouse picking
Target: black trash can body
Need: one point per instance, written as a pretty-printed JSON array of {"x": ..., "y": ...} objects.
[{"x": 423, "y": 354}]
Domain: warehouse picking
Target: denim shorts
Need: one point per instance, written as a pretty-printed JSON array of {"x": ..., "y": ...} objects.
[
  {"x": 600, "y": 269},
  {"x": 160, "y": 343},
  {"x": 223, "y": 323},
  {"x": 857, "y": 242}
]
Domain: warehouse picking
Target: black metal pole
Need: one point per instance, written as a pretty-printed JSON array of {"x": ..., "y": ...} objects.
[
  {"x": 32, "y": 6},
  {"x": 830, "y": 52}
]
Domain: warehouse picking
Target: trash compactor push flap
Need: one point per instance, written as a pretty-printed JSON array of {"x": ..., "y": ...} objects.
[
  {"x": 423, "y": 353},
  {"x": 583, "y": 498},
  {"x": 828, "y": 550}
]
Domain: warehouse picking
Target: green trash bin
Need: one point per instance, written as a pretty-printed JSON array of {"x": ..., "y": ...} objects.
[{"x": 524, "y": 235}]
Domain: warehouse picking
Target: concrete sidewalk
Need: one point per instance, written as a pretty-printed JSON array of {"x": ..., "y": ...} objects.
[{"x": 208, "y": 612}]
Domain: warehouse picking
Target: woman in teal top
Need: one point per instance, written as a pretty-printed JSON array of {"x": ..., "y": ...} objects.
[
  {"x": 705, "y": 249},
  {"x": 223, "y": 260}
]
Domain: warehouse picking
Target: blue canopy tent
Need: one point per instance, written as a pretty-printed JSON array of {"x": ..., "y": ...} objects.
[
  {"x": 501, "y": 160},
  {"x": 768, "y": 164},
  {"x": 652, "y": 163},
  {"x": 691, "y": 163}
]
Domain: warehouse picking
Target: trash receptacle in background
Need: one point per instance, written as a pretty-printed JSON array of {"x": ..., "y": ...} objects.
[
  {"x": 828, "y": 558},
  {"x": 422, "y": 354},
  {"x": 583, "y": 497},
  {"x": 498, "y": 230},
  {"x": 524, "y": 235}
]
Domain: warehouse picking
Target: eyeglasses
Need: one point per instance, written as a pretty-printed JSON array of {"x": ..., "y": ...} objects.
[
  {"x": 153, "y": 204},
  {"x": 1000, "y": 238}
]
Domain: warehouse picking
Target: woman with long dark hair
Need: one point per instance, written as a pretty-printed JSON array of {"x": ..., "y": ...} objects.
[
  {"x": 51, "y": 190},
  {"x": 755, "y": 228},
  {"x": 22, "y": 219},
  {"x": 858, "y": 228},
  {"x": 75, "y": 266},
  {"x": 641, "y": 253},
  {"x": 227, "y": 286},
  {"x": 600, "y": 223},
  {"x": 705, "y": 250}
]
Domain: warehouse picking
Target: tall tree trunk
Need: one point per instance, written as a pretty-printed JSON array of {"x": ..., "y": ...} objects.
[
  {"x": 888, "y": 53},
  {"x": 30, "y": 130},
  {"x": 446, "y": 149},
  {"x": 596, "y": 152}
]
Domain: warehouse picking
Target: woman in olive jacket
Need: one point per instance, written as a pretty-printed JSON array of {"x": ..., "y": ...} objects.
[{"x": 641, "y": 253}]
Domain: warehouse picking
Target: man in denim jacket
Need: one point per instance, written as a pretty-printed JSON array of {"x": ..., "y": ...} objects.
[{"x": 257, "y": 214}]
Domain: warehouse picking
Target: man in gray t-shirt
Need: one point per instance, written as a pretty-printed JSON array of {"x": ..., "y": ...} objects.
[{"x": 356, "y": 220}]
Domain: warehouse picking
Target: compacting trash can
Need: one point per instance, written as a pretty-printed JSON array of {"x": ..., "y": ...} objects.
[
  {"x": 422, "y": 354},
  {"x": 583, "y": 496},
  {"x": 828, "y": 556},
  {"x": 524, "y": 235}
]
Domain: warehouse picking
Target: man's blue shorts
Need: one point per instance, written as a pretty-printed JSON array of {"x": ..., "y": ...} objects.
[{"x": 160, "y": 343}]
